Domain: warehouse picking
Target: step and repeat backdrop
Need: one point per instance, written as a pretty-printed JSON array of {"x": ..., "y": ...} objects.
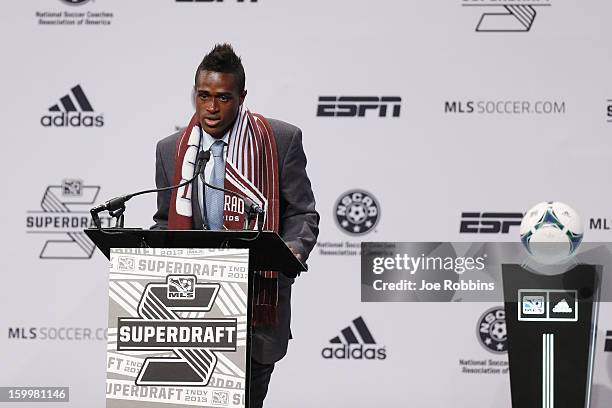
[{"x": 422, "y": 121}]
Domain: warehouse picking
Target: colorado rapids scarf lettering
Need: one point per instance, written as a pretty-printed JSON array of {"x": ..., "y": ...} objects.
[{"x": 251, "y": 169}]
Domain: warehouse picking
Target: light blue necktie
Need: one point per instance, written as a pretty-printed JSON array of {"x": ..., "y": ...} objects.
[{"x": 214, "y": 198}]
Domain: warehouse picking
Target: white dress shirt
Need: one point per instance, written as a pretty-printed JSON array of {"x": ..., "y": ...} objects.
[{"x": 205, "y": 144}]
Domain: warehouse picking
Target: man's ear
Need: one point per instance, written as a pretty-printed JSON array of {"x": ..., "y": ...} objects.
[{"x": 243, "y": 95}]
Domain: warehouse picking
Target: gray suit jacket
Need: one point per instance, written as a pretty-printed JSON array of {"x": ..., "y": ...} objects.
[{"x": 299, "y": 222}]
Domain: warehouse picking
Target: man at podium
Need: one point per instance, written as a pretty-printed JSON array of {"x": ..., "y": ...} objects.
[{"x": 251, "y": 155}]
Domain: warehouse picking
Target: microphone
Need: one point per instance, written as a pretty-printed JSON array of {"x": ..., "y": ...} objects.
[
  {"x": 201, "y": 161},
  {"x": 116, "y": 206}
]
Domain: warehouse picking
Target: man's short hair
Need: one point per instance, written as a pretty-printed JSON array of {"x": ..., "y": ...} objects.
[{"x": 222, "y": 58}]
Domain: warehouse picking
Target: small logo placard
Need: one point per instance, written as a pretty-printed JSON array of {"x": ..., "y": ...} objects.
[
  {"x": 547, "y": 305},
  {"x": 181, "y": 287}
]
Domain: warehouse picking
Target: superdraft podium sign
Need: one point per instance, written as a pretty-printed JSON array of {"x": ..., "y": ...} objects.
[{"x": 178, "y": 329}]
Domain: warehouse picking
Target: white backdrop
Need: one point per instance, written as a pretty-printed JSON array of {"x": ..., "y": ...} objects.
[{"x": 425, "y": 167}]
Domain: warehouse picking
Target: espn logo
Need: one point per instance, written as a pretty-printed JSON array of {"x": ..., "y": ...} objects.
[
  {"x": 488, "y": 222},
  {"x": 358, "y": 106},
  {"x": 608, "y": 345}
]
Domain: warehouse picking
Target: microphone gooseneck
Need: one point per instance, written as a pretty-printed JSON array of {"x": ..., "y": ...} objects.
[{"x": 116, "y": 206}]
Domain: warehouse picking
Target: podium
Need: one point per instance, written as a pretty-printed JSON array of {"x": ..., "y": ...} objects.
[
  {"x": 551, "y": 322},
  {"x": 180, "y": 313},
  {"x": 261, "y": 249}
]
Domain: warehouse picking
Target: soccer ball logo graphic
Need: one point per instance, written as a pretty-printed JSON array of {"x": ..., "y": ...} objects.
[
  {"x": 492, "y": 332},
  {"x": 357, "y": 212},
  {"x": 498, "y": 331},
  {"x": 551, "y": 231}
]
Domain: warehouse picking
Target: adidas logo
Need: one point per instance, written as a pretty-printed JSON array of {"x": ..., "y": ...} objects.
[
  {"x": 608, "y": 346},
  {"x": 68, "y": 115},
  {"x": 355, "y": 342}
]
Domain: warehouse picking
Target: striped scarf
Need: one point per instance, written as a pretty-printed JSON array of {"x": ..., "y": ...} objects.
[{"x": 251, "y": 169}]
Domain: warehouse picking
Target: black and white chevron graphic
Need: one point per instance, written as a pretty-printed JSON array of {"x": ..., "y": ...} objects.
[
  {"x": 68, "y": 103},
  {"x": 358, "y": 333},
  {"x": 516, "y": 18},
  {"x": 190, "y": 365},
  {"x": 512, "y": 16},
  {"x": 67, "y": 203}
]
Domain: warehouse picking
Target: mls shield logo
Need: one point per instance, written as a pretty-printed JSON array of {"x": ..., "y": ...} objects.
[
  {"x": 72, "y": 187},
  {"x": 126, "y": 263},
  {"x": 533, "y": 305},
  {"x": 181, "y": 287},
  {"x": 220, "y": 398}
]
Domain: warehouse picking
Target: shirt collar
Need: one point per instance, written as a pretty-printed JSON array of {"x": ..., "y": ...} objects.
[{"x": 208, "y": 140}]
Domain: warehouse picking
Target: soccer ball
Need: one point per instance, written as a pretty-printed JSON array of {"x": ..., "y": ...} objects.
[
  {"x": 551, "y": 231},
  {"x": 498, "y": 331},
  {"x": 357, "y": 213}
]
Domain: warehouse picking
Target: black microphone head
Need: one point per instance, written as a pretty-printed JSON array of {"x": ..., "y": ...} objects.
[
  {"x": 201, "y": 160},
  {"x": 204, "y": 155}
]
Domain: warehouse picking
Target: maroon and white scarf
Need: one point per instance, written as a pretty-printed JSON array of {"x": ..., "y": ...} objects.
[{"x": 251, "y": 168}]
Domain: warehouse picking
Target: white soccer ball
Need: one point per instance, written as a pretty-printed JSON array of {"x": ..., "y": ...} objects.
[
  {"x": 551, "y": 231},
  {"x": 357, "y": 213},
  {"x": 498, "y": 331}
]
